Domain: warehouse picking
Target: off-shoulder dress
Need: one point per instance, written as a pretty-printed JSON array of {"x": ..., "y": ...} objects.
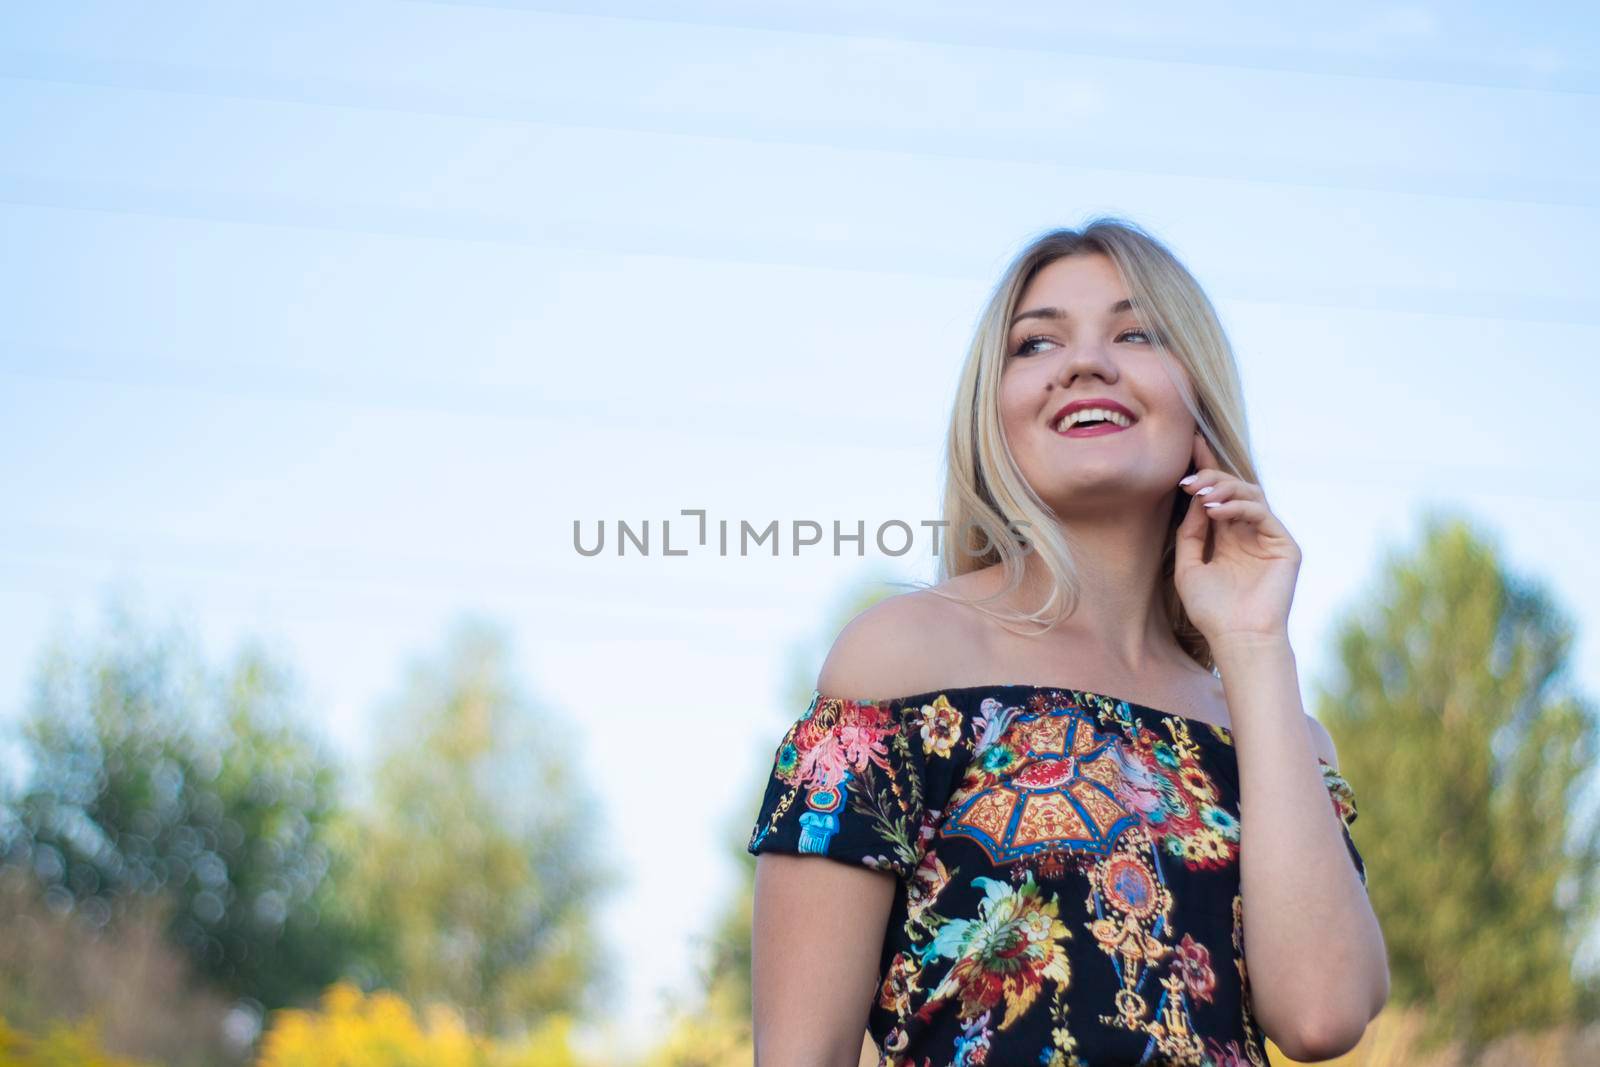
[{"x": 1068, "y": 868}]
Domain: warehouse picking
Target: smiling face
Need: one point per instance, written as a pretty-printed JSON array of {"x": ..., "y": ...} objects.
[{"x": 1075, "y": 338}]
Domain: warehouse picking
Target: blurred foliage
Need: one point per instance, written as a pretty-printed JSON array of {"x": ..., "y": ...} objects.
[
  {"x": 1398, "y": 1038},
  {"x": 478, "y": 854},
  {"x": 149, "y": 774},
  {"x": 58, "y": 969},
  {"x": 61, "y": 1046},
  {"x": 352, "y": 1029},
  {"x": 717, "y": 1036},
  {"x": 1459, "y": 732}
]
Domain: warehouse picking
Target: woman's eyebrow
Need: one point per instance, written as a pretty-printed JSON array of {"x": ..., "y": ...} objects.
[{"x": 1061, "y": 313}]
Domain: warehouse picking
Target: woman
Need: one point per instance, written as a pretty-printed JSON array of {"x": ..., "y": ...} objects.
[{"x": 1008, "y": 829}]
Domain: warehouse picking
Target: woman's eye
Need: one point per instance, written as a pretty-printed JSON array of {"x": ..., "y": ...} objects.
[{"x": 1024, "y": 347}]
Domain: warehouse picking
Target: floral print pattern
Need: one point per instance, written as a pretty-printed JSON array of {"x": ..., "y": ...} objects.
[{"x": 1068, "y": 866}]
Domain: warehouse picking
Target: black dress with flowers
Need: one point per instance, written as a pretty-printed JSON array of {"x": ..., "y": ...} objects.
[{"x": 1068, "y": 867}]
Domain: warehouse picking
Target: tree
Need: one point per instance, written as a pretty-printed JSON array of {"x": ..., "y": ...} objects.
[
  {"x": 149, "y": 774},
  {"x": 1458, "y": 728},
  {"x": 477, "y": 851}
]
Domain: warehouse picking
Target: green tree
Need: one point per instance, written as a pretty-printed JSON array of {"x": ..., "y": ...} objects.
[
  {"x": 477, "y": 852},
  {"x": 1459, "y": 730},
  {"x": 149, "y": 773}
]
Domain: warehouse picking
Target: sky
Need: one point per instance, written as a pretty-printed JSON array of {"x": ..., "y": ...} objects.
[{"x": 325, "y": 320}]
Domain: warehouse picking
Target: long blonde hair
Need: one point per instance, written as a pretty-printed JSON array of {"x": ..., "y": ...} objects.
[{"x": 986, "y": 497}]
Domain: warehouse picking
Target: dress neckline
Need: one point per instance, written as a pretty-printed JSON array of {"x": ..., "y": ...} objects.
[{"x": 1144, "y": 710}]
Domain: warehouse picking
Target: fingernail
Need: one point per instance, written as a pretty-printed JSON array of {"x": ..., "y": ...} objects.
[
  {"x": 1189, "y": 479},
  {"x": 1203, "y": 492}
]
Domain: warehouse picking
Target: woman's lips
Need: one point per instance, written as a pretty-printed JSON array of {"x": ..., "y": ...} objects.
[{"x": 1093, "y": 431}]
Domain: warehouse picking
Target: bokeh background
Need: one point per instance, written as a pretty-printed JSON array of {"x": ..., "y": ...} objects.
[{"x": 327, "y": 322}]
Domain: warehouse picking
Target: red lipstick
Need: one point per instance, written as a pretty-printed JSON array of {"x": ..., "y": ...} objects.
[{"x": 1097, "y": 430}]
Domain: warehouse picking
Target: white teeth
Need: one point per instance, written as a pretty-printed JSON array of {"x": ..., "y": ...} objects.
[{"x": 1084, "y": 414}]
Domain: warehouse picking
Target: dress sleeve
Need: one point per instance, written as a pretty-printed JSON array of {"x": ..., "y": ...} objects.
[
  {"x": 862, "y": 782},
  {"x": 1344, "y": 803}
]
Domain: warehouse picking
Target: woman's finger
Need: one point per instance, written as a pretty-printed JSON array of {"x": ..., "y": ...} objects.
[
  {"x": 1220, "y": 485},
  {"x": 1253, "y": 512}
]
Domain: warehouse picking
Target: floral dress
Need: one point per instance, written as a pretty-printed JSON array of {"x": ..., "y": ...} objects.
[{"x": 1068, "y": 868}]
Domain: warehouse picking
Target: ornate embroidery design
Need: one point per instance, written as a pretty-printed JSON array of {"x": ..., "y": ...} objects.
[
  {"x": 1053, "y": 790},
  {"x": 832, "y": 744}
]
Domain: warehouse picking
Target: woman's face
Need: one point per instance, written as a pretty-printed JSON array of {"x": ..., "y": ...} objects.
[{"x": 1089, "y": 346}]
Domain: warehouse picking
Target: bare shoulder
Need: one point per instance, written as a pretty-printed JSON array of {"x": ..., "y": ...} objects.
[{"x": 896, "y": 647}]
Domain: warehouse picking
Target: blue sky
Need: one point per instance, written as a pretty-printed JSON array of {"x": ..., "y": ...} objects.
[{"x": 326, "y": 319}]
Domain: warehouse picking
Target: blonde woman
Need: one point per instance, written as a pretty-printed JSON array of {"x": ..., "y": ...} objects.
[{"x": 1065, "y": 805}]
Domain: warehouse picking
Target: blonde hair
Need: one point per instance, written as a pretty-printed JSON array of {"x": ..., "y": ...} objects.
[{"x": 986, "y": 496}]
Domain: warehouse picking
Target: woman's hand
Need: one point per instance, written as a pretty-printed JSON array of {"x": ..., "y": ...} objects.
[{"x": 1243, "y": 592}]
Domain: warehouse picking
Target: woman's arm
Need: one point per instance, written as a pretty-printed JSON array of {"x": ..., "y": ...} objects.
[
  {"x": 817, "y": 935},
  {"x": 1314, "y": 952},
  {"x": 819, "y": 925}
]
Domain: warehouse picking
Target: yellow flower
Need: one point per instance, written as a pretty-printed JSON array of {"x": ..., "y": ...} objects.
[
  {"x": 941, "y": 726},
  {"x": 1211, "y": 845},
  {"x": 382, "y": 1030},
  {"x": 1198, "y": 783}
]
